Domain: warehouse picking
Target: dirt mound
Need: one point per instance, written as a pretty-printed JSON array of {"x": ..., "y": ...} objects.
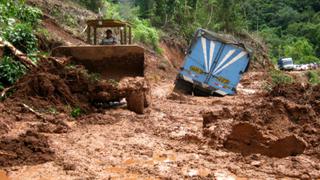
[
  {"x": 283, "y": 123},
  {"x": 4, "y": 126},
  {"x": 54, "y": 125},
  {"x": 28, "y": 149},
  {"x": 5, "y": 121},
  {"x": 64, "y": 87},
  {"x": 300, "y": 94},
  {"x": 245, "y": 138}
]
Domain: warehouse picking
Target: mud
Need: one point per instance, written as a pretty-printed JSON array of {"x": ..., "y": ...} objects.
[
  {"x": 64, "y": 87},
  {"x": 4, "y": 127},
  {"x": 6, "y": 121},
  {"x": 252, "y": 135},
  {"x": 98, "y": 119},
  {"x": 57, "y": 126},
  {"x": 28, "y": 149},
  {"x": 303, "y": 94},
  {"x": 247, "y": 139},
  {"x": 282, "y": 123}
]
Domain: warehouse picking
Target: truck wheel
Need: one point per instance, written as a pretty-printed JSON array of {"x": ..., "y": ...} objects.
[
  {"x": 183, "y": 87},
  {"x": 198, "y": 92},
  {"x": 136, "y": 102}
]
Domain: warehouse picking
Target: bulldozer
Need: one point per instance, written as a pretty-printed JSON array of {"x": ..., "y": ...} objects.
[
  {"x": 111, "y": 62},
  {"x": 124, "y": 59}
]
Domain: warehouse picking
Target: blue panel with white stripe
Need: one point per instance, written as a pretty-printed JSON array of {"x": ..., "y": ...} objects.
[{"x": 215, "y": 64}]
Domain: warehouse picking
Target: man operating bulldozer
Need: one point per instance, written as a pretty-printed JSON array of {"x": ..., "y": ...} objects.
[{"x": 109, "y": 39}]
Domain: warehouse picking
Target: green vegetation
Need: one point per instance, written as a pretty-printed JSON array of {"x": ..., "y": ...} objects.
[
  {"x": 290, "y": 27},
  {"x": 113, "y": 82},
  {"x": 18, "y": 26},
  {"x": 10, "y": 71},
  {"x": 92, "y": 5},
  {"x": 286, "y": 24},
  {"x": 143, "y": 31},
  {"x": 76, "y": 112},
  {"x": 314, "y": 77},
  {"x": 22, "y": 37},
  {"x": 279, "y": 77},
  {"x": 301, "y": 50}
]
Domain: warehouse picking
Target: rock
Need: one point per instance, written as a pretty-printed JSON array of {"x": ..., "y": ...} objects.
[
  {"x": 256, "y": 163},
  {"x": 136, "y": 102}
]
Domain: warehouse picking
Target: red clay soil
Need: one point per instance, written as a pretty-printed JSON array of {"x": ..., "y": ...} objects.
[
  {"x": 59, "y": 33},
  {"x": 285, "y": 123},
  {"x": 173, "y": 52},
  {"x": 28, "y": 149},
  {"x": 53, "y": 84}
]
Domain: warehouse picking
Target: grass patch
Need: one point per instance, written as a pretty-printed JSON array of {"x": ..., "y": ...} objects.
[
  {"x": 313, "y": 77},
  {"x": 279, "y": 77},
  {"x": 76, "y": 112}
]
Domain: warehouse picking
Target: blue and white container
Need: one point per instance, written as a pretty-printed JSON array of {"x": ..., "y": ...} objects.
[{"x": 214, "y": 64}]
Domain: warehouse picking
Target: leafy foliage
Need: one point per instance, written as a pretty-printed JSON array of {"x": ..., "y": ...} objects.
[
  {"x": 314, "y": 77},
  {"x": 301, "y": 50},
  {"x": 22, "y": 37},
  {"x": 278, "y": 77},
  {"x": 76, "y": 112},
  {"x": 93, "y": 5},
  {"x": 143, "y": 31},
  {"x": 10, "y": 70},
  {"x": 18, "y": 23},
  {"x": 286, "y": 23},
  {"x": 17, "y": 10},
  {"x": 283, "y": 23}
]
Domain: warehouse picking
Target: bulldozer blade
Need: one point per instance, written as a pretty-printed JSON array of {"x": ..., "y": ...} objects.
[{"x": 111, "y": 62}]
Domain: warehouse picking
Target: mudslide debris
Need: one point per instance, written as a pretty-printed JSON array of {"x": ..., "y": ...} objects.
[{"x": 61, "y": 86}]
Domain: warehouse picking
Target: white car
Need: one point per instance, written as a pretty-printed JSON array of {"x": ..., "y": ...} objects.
[{"x": 304, "y": 67}]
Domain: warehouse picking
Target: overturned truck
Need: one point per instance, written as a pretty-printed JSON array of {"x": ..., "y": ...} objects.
[{"x": 213, "y": 65}]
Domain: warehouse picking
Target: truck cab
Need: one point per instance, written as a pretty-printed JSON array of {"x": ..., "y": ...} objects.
[{"x": 286, "y": 64}]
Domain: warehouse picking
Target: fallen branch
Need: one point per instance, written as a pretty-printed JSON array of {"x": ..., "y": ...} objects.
[
  {"x": 4, "y": 92},
  {"x": 23, "y": 58},
  {"x": 34, "y": 112}
]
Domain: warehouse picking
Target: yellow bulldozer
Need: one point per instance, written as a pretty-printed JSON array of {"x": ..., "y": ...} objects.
[{"x": 117, "y": 61}]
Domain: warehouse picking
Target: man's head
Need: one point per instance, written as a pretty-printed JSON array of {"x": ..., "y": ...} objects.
[{"x": 109, "y": 33}]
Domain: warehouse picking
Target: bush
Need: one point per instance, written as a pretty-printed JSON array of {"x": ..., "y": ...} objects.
[
  {"x": 313, "y": 77},
  {"x": 76, "y": 112},
  {"x": 92, "y": 5},
  {"x": 301, "y": 50},
  {"x": 10, "y": 71},
  {"x": 28, "y": 14},
  {"x": 22, "y": 37},
  {"x": 145, "y": 33},
  {"x": 278, "y": 77},
  {"x": 142, "y": 29},
  {"x": 18, "y": 10}
]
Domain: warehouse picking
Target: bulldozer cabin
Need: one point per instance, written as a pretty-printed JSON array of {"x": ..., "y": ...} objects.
[{"x": 115, "y": 61}]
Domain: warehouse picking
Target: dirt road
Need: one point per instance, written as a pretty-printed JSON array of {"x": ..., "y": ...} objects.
[{"x": 167, "y": 142}]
